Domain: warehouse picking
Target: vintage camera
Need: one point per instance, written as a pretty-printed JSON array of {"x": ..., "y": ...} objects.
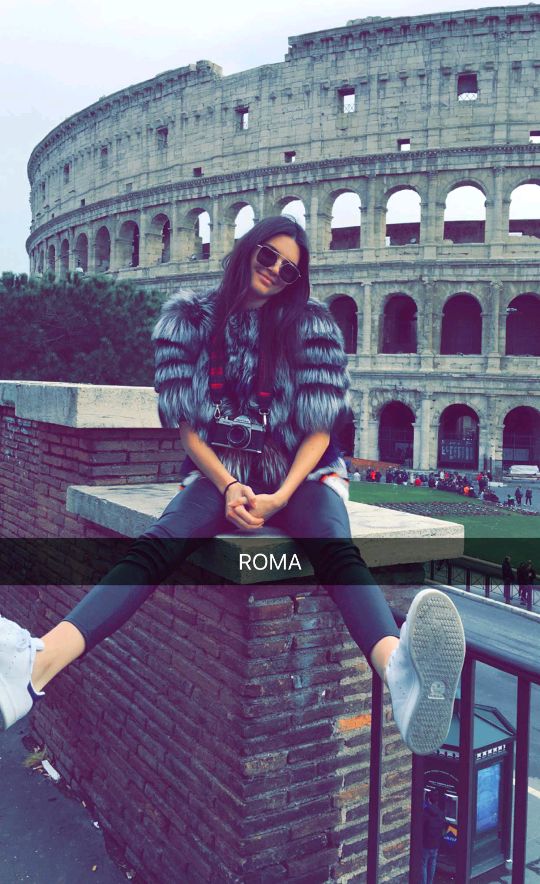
[{"x": 240, "y": 433}]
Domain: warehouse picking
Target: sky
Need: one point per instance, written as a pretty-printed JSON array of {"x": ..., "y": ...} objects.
[{"x": 58, "y": 57}]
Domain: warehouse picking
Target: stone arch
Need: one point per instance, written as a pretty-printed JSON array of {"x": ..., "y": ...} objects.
[
  {"x": 195, "y": 233},
  {"x": 294, "y": 206},
  {"x": 81, "y": 252},
  {"x": 396, "y": 433},
  {"x": 524, "y": 211},
  {"x": 461, "y": 326},
  {"x": 344, "y": 310},
  {"x": 40, "y": 261},
  {"x": 51, "y": 259},
  {"x": 398, "y": 327},
  {"x": 103, "y": 249},
  {"x": 345, "y": 224},
  {"x": 458, "y": 436},
  {"x": 64, "y": 257},
  {"x": 128, "y": 244},
  {"x": 403, "y": 216},
  {"x": 158, "y": 240},
  {"x": 465, "y": 213},
  {"x": 244, "y": 220},
  {"x": 521, "y": 436},
  {"x": 522, "y": 325}
]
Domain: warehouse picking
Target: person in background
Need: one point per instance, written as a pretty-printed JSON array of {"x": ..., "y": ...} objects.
[{"x": 508, "y": 578}]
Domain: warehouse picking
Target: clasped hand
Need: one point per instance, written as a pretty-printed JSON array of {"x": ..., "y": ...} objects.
[{"x": 248, "y": 510}]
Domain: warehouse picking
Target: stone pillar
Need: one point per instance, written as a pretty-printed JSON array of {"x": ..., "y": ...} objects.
[
  {"x": 424, "y": 458},
  {"x": 497, "y": 210},
  {"x": 490, "y": 333},
  {"x": 432, "y": 216},
  {"x": 259, "y": 204},
  {"x": 364, "y": 327},
  {"x": 425, "y": 324},
  {"x": 113, "y": 233},
  {"x": 373, "y": 437},
  {"x": 91, "y": 235},
  {"x": 312, "y": 219},
  {"x": 221, "y": 231},
  {"x": 373, "y": 217},
  {"x": 485, "y": 443},
  {"x": 416, "y": 445},
  {"x": 323, "y": 226},
  {"x": 184, "y": 239},
  {"x": 150, "y": 242},
  {"x": 494, "y": 435},
  {"x": 363, "y": 446}
]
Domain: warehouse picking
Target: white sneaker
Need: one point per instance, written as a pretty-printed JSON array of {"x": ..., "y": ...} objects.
[
  {"x": 17, "y": 653},
  {"x": 423, "y": 671}
]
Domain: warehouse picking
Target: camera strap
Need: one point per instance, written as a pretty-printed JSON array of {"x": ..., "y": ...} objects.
[{"x": 216, "y": 380}]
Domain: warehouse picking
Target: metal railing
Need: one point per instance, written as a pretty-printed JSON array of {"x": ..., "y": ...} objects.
[
  {"x": 480, "y": 649},
  {"x": 482, "y": 578}
]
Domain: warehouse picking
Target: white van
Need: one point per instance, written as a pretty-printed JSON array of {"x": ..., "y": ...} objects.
[{"x": 524, "y": 471}]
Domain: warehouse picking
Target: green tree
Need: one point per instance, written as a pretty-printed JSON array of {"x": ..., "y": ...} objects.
[{"x": 79, "y": 329}]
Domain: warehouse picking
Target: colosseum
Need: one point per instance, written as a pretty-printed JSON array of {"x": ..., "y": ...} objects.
[{"x": 408, "y": 147}]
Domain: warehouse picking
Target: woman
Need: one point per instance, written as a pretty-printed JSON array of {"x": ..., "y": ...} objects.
[{"x": 254, "y": 376}]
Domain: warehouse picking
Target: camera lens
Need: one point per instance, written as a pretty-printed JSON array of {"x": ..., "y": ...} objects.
[{"x": 238, "y": 436}]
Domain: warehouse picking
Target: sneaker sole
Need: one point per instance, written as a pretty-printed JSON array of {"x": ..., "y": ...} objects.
[{"x": 437, "y": 649}]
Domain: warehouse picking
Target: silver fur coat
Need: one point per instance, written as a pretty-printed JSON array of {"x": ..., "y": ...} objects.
[{"x": 308, "y": 396}]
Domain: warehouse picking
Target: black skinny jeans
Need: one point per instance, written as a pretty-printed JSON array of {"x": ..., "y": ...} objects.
[{"x": 315, "y": 516}]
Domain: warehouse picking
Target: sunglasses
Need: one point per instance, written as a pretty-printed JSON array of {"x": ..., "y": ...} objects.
[{"x": 267, "y": 257}]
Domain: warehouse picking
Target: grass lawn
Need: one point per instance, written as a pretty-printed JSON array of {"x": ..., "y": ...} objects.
[{"x": 490, "y": 531}]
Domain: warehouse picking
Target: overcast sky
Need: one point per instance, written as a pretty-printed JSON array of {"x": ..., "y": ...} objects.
[{"x": 58, "y": 57}]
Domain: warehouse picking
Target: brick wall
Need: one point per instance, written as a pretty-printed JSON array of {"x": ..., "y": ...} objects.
[{"x": 223, "y": 733}]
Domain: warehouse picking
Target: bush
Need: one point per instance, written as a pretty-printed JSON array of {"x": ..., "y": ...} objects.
[{"x": 78, "y": 329}]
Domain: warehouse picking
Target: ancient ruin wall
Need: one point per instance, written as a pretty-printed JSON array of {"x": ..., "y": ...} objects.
[
  {"x": 148, "y": 139},
  {"x": 119, "y": 187}
]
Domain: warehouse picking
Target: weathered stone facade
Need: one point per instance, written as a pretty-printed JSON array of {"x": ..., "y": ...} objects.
[{"x": 425, "y": 104}]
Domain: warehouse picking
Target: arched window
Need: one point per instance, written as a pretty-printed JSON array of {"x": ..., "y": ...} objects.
[
  {"x": 396, "y": 434},
  {"x": 458, "y": 438},
  {"x": 346, "y": 212},
  {"x": 403, "y": 216},
  {"x": 524, "y": 215},
  {"x": 461, "y": 328},
  {"x": 521, "y": 437},
  {"x": 343, "y": 309},
  {"x": 522, "y": 325},
  {"x": 128, "y": 244},
  {"x": 244, "y": 221},
  {"x": 159, "y": 240},
  {"x": 51, "y": 259},
  {"x": 399, "y": 325},
  {"x": 202, "y": 235},
  {"x": 103, "y": 250},
  {"x": 465, "y": 214},
  {"x": 296, "y": 209},
  {"x": 81, "y": 252},
  {"x": 64, "y": 257}
]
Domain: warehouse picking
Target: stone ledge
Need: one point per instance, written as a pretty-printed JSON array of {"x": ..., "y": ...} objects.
[
  {"x": 89, "y": 406},
  {"x": 386, "y": 538}
]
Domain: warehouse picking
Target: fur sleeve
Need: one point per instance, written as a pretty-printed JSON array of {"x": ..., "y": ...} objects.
[
  {"x": 322, "y": 377},
  {"x": 180, "y": 338}
]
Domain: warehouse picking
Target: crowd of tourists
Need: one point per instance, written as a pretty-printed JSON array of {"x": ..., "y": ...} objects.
[{"x": 456, "y": 483}]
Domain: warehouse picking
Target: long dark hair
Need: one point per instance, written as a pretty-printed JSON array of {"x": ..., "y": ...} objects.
[{"x": 280, "y": 316}]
